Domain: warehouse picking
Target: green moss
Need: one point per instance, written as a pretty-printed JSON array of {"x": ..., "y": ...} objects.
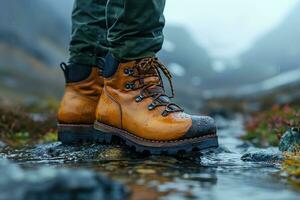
[{"x": 266, "y": 128}]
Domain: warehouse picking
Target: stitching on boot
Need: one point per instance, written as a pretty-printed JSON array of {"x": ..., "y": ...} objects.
[{"x": 157, "y": 141}]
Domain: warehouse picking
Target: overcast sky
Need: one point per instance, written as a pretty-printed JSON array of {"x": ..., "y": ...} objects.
[
  {"x": 227, "y": 27},
  {"x": 224, "y": 27}
]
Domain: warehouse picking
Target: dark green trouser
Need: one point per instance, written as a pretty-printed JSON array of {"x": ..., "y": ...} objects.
[{"x": 129, "y": 29}]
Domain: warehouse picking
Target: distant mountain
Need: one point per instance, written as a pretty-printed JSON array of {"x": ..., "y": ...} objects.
[
  {"x": 276, "y": 52},
  {"x": 35, "y": 27},
  {"x": 33, "y": 41},
  {"x": 280, "y": 48},
  {"x": 183, "y": 49}
]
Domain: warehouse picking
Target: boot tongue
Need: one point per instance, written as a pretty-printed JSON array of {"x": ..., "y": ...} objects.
[
  {"x": 155, "y": 90},
  {"x": 147, "y": 69},
  {"x": 154, "y": 79},
  {"x": 162, "y": 99}
]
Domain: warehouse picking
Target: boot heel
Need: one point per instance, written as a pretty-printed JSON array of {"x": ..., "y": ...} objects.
[{"x": 74, "y": 134}]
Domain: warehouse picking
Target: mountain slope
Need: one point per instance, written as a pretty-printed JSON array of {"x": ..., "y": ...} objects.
[
  {"x": 33, "y": 41},
  {"x": 189, "y": 63},
  {"x": 280, "y": 48},
  {"x": 274, "y": 53}
]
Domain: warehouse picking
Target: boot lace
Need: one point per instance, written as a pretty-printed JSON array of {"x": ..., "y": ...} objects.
[{"x": 151, "y": 67}]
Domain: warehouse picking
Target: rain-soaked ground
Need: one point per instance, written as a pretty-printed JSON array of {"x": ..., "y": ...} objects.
[{"x": 218, "y": 174}]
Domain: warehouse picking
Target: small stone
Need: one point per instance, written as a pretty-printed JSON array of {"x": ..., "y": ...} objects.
[
  {"x": 290, "y": 141},
  {"x": 263, "y": 155}
]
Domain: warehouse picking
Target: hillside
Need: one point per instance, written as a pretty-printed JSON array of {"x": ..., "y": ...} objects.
[
  {"x": 33, "y": 41},
  {"x": 280, "y": 48},
  {"x": 274, "y": 53}
]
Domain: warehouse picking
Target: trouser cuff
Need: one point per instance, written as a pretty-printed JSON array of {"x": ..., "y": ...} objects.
[{"x": 87, "y": 60}]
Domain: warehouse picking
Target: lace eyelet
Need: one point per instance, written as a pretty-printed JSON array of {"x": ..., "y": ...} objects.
[
  {"x": 128, "y": 71},
  {"x": 151, "y": 106},
  {"x": 165, "y": 113},
  {"x": 139, "y": 98},
  {"x": 129, "y": 86}
]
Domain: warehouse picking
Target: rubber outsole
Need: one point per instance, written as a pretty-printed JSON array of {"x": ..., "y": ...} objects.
[{"x": 105, "y": 134}]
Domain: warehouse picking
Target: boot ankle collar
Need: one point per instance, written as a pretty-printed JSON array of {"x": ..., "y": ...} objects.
[{"x": 111, "y": 65}]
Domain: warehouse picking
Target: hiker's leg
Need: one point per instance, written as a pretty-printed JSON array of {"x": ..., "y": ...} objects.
[
  {"x": 135, "y": 27},
  {"x": 88, "y": 45}
]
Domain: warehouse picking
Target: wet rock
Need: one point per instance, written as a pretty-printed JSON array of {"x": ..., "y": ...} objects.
[
  {"x": 263, "y": 155},
  {"x": 2, "y": 144},
  {"x": 244, "y": 145},
  {"x": 57, "y": 152},
  {"x": 221, "y": 149},
  {"x": 55, "y": 184},
  {"x": 290, "y": 141}
]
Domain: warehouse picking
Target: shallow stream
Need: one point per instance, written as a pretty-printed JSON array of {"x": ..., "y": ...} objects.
[{"x": 214, "y": 175}]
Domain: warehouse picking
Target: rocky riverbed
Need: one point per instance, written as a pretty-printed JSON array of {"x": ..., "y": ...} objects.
[{"x": 236, "y": 170}]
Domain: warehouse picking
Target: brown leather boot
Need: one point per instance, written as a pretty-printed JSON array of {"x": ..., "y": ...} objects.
[
  {"x": 134, "y": 107},
  {"x": 76, "y": 114}
]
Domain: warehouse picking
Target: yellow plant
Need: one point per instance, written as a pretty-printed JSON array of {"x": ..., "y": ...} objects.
[
  {"x": 291, "y": 164},
  {"x": 49, "y": 137}
]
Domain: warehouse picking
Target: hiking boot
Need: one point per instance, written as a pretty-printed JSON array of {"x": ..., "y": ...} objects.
[
  {"x": 135, "y": 108},
  {"x": 76, "y": 114}
]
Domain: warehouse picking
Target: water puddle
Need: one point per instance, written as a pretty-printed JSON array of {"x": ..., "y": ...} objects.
[{"x": 218, "y": 174}]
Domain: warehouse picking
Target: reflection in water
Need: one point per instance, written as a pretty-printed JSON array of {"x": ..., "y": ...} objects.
[{"x": 218, "y": 174}]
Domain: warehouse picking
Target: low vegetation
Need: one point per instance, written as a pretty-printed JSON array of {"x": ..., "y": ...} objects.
[
  {"x": 17, "y": 127},
  {"x": 292, "y": 164},
  {"x": 266, "y": 128}
]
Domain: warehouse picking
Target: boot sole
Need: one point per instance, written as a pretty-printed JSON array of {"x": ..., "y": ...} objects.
[
  {"x": 80, "y": 133},
  {"x": 105, "y": 134},
  {"x": 158, "y": 147}
]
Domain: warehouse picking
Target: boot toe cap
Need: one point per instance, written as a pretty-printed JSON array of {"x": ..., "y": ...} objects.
[{"x": 201, "y": 126}]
